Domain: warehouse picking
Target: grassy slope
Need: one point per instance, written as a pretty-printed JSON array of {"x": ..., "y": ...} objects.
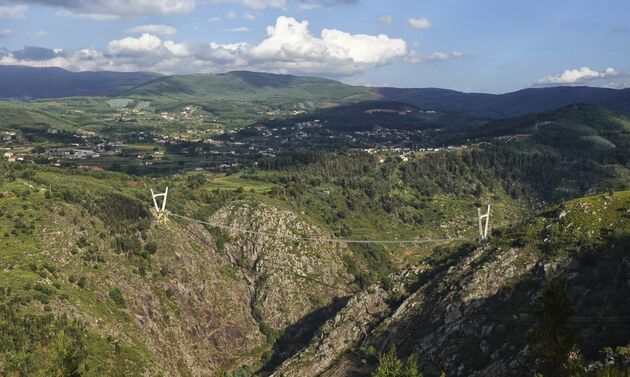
[
  {"x": 60, "y": 254},
  {"x": 233, "y": 99},
  {"x": 250, "y": 87}
]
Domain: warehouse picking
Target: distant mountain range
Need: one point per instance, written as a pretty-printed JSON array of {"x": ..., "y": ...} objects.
[
  {"x": 509, "y": 104},
  {"x": 27, "y": 82},
  {"x": 32, "y": 83}
]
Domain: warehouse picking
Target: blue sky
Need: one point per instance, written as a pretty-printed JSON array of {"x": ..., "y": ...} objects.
[{"x": 469, "y": 45}]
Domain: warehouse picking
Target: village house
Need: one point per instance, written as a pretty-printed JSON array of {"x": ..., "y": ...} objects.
[{"x": 9, "y": 156}]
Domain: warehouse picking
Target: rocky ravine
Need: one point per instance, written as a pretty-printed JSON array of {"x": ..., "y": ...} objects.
[
  {"x": 470, "y": 315},
  {"x": 202, "y": 309},
  {"x": 433, "y": 324}
]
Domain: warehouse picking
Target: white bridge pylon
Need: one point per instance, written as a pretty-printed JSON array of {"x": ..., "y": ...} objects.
[
  {"x": 160, "y": 209},
  {"x": 483, "y": 227}
]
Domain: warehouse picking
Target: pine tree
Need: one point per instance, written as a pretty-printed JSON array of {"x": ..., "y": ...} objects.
[{"x": 552, "y": 340}]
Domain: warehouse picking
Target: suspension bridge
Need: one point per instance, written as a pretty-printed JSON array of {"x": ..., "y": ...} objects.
[{"x": 160, "y": 208}]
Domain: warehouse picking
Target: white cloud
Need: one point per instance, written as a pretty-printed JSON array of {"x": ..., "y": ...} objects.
[
  {"x": 288, "y": 47},
  {"x": 438, "y": 56},
  {"x": 83, "y": 60},
  {"x": 88, "y": 16},
  {"x": 249, "y": 17},
  {"x": 419, "y": 23},
  {"x": 255, "y": 4},
  {"x": 386, "y": 20},
  {"x": 130, "y": 45},
  {"x": 154, "y": 29},
  {"x": 38, "y": 33},
  {"x": 576, "y": 76},
  {"x": 608, "y": 78},
  {"x": 214, "y": 19},
  {"x": 291, "y": 46},
  {"x": 316, "y": 4},
  {"x": 308, "y": 6},
  {"x": 104, "y": 10},
  {"x": 177, "y": 49},
  {"x": 13, "y": 11},
  {"x": 5, "y": 33},
  {"x": 241, "y": 29}
]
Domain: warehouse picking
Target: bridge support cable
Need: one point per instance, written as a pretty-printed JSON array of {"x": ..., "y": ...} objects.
[
  {"x": 314, "y": 239},
  {"x": 161, "y": 210}
]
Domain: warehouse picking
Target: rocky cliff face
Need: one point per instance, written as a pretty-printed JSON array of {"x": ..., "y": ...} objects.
[
  {"x": 470, "y": 315},
  {"x": 449, "y": 318},
  {"x": 358, "y": 318},
  {"x": 290, "y": 278},
  {"x": 202, "y": 306}
]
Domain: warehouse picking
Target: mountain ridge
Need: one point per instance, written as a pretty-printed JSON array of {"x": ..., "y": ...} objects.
[
  {"x": 55, "y": 82},
  {"x": 294, "y": 90},
  {"x": 515, "y": 103}
]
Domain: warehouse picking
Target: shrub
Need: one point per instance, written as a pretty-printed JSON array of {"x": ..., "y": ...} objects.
[
  {"x": 116, "y": 295},
  {"x": 151, "y": 247},
  {"x": 390, "y": 366}
]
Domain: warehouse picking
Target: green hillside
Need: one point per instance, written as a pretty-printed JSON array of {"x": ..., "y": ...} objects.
[
  {"x": 572, "y": 128},
  {"x": 242, "y": 98},
  {"x": 216, "y": 102},
  {"x": 15, "y": 115},
  {"x": 251, "y": 87}
]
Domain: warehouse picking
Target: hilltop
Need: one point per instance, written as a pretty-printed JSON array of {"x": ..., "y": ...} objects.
[{"x": 244, "y": 86}]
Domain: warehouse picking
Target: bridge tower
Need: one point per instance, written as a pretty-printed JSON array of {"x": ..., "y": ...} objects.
[
  {"x": 484, "y": 221},
  {"x": 160, "y": 209}
]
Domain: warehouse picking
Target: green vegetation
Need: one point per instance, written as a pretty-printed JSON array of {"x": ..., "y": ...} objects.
[
  {"x": 83, "y": 260},
  {"x": 390, "y": 366},
  {"x": 117, "y": 297},
  {"x": 249, "y": 87},
  {"x": 552, "y": 340}
]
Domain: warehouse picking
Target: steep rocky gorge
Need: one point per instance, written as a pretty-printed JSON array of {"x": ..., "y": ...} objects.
[
  {"x": 470, "y": 314},
  {"x": 177, "y": 297},
  {"x": 206, "y": 306}
]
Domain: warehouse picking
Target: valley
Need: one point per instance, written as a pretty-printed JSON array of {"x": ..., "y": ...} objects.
[{"x": 313, "y": 228}]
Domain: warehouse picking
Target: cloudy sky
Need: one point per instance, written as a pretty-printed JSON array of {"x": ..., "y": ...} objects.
[{"x": 470, "y": 45}]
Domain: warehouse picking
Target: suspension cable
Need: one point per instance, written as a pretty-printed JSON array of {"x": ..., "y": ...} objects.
[{"x": 314, "y": 239}]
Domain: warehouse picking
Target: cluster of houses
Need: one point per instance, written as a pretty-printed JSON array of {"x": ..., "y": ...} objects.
[
  {"x": 186, "y": 113},
  {"x": 16, "y": 155},
  {"x": 9, "y": 136},
  {"x": 74, "y": 153},
  {"x": 404, "y": 153},
  {"x": 10, "y": 157}
]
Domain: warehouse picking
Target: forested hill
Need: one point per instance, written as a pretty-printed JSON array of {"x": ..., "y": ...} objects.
[
  {"x": 509, "y": 104},
  {"x": 53, "y": 82},
  {"x": 242, "y": 86},
  {"x": 579, "y": 130}
]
